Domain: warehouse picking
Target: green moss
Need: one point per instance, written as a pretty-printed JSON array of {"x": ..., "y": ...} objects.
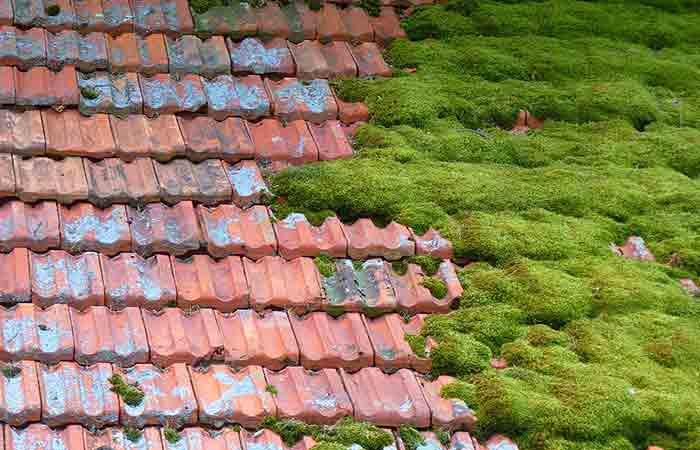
[
  {"x": 436, "y": 286},
  {"x": 345, "y": 432},
  {"x": 460, "y": 355},
  {"x": 11, "y": 371},
  {"x": 325, "y": 265},
  {"x": 202, "y": 6},
  {"x": 429, "y": 264},
  {"x": 272, "y": 390},
  {"x": 131, "y": 394},
  {"x": 411, "y": 438},
  {"x": 89, "y": 93},
  {"x": 400, "y": 267},
  {"x": 53, "y": 10},
  {"x": 314, "y": 5},
  {"x": 171, "y": 435},
  {"x": 460, "y": 390},
  {"x": 443, "y": 436},
  {"x": 132, "y": 434},
  {"x": 371, "y": 6}
]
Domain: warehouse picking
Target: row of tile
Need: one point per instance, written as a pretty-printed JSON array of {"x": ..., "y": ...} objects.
[
  {"x": 90, "y": 279},
  {"x": 188, "y": 54},
  {"x": 179, "y": 395},
  {"x": 272, "y": 339},
  {"x": 195, "y": 137}
]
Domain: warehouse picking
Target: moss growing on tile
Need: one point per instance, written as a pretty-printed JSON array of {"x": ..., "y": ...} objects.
[
  {"x": 89, "y": 93},
  {"x": 411, "y": 438},
  {"x": 132, "y": 434},
  {"x": 400, "y": 267},
  {"x": 171, "y": 435},
  {"x": 371, "y": 6},
  {"x": 460, "y": 390},
  {"x": 314, "y": 5},
  {"x": 345, "y": 432},
  {"x": 131, "y": 394},
  {"x": 436, "y": 286},
  {"x": 443, "y": 436},
  {"x": 272, "y": 390},
  {"x": 53, "y": 10},
  {"x": 325, "y": 265}
]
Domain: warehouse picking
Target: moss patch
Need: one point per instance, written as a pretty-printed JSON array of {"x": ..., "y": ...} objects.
[
  {"x": 325, "y": 265},
  {"x": 53, "y": 10},
  {"x": 131, "y": 394},
  {"x": 436, "y": 286},
  {"x": 133, "y": 434},
  {"x": 171, "y": 435},
  {"x": 89, "y": 93},
  {"x": 11, "y": 371},
  {"x": 345, "y": 433}
]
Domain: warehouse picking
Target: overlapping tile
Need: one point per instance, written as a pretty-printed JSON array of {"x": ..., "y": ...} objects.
[
  {"x": 366, "y": 240},
  {"x": 131, "y": 280},
  {"x": 8, "y": 90},
  {"x": 20, "y": 402},
  {"x": 276, "y": 282},
  {"x": 414, "y": 297},
  {"x": 162, "y": 16},
  {"x": 308, "y": 100},
  {"x": 87, "y": 52},
  {"x": 366, "y": 288},
  {"x": 59, "y": 277},
  {"x": 158, "y": 228},
  {"x": 209, "y": 138},
  {"x": 351, "y": 113},
  {"x": 102, "y": 92},
  {"x": 247, "y": 183},
  {"x": 22, "y": 48},
  {"x": 272, "y": 22},
  {"x": 291, "y": 142},
  {"x": 165, "y": 94},
  {"x": 37, "y": 435},
  {"x": 253, "y": 56},
  {"x": 339, "y": 59},
  {"x": 114, "y": 16},
  {"x": 8, "y": 186},
  {"x": 33, "y": 226},
  {"x": 52, "y": 15},
  {"x": 117, "y": 439},
  {"x": 229, "y": 230},
  {"x": 357, "y": 24},
  {"x": 310, "y": 61},
  {"x": 40, "y": 86},
  {"x": 192, "y": 55},
  {"x": 229, "y": 96},
  {"x": 15, "y": 278},
  {"x": 113, "y": 180},
  {"x": 202, "y": 281},
  {"x": 22, "y": 132},
  {"x": 297, "y": 237},
  {"x": 131, "y": 52},
  {"x": 368, "y": 58},
  {"x": 391, "y": 351},
  {"x": 302, "y": 21},
  {"x": 449, "y": 413},
  {"x": 192, "y": 438},
  {"x": 70, "y": 133},
  {"x": 204, "y": 182},
  {"x": 330, "y": 24},
  {"x": 331, "y": 140},
  {"x": 137, "y": 135},
  {"x": 462, "y": 440},
  {"x": 387, "y": 26},
  {"x": 32, "y": 333},
  {"x": 237, "y": 20},
  {"x": 42, "y": 178}
]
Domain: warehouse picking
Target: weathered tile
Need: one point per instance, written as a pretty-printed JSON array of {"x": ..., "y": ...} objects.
[
  {"x": 22, "y": 48},
  {"x": 191, "y": 55},
  {"x": 137, "y": 135},
  {"x": 302, "y": 21},
  {"x": 237, "y": 19},
  {"x": 87, "y": 228},
  {"x": 204, "y": 182},
  {"x": 102, "y": 92},
  {"x": 39, "y": 86},
  {"x": 32, "y": 226},
  {"x": 330, "y": 24},
  {"x": 251, "y": 338},
  {"x": 247, "y": 183},
  {"x": 431, "y": 243},
  {"x": 115, "y": 181},
  {"x": 116, "y": 439},
  {"x": 131, "y": 52},
  {"x": 312, "y": 397},
  {"x": 69, "y": 133},
  {"x": 187, "y": 337},
  {"x": 294, "y": 99},
  {"x": 446, "y": 413},
  {"x": 158, "y": 228},
  {"x": 350, "y": 113},
  {"x": 208, "y": 138},
  {"x": 463, "y": 441},
  {"x": 412, "y": 296},
  {"x": 204, "y": 439},
  {"x": 310, "y": 61},
  {"x": 31, "y": 333},
  {"x": 202, "y": 281},
  {"x": 22, "y": 133},
  {"x": 162, "y": 16},
  {"x": 131, "y": 280},
  {"x": 20, "y": 402},
  {"x": 328, "y": 342},
  {"x": 275, "y": 282},
  {"x": 36, "y": 13},
  {"x": 500, "y": 442},
  {"x": 236, "y": 96},
  {"x": 251, "y": 55},
  {"x": 15, "y": 282},
  {"x": 74, "y": 394},
  {"x": 331, "y": 140},
  {"x": 387, "y": 26},
  {"x": 59, "y": 277},
  {"x": 291, "y": 142},
  {"x": 37, "y": 435},
  {"x": 228, "y": 230},
  {"x": 634, "y": 248},
  {"x": 6, "y": 15},
  {"x": 8, "y": 185},
  {"x": 168, "y": 400},
  {"x": 369, "y": 60},
  {"x": 391, "y": 350},
  {"x": 297, "y": 237},
  {"x": 387, "y": 400},
  {"x": 86, "y": 52},
  {"x": 272, "y": 23},
  {"x": 227, "y": 396},
  {"x": 357, "y": 24},
  {"x": 339, "y": 60},
  {"x": 266, "y": 438},
  {"x": 8, "y": 88},
  {"x": 366, "y": 288},
  {"x": 163, "y": 94},
  {"x": 366, "y": 240},
  {"x": 109, "y": 336}
]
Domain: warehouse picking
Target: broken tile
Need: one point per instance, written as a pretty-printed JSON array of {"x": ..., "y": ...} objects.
[
  {"x": 331, "y": 140},
  {"x": 276, "y": 141},
  {"x": 37, "y": 435},
  {"x": 87, "y": 228},
  {"x": 162, "y": 16},
  {"x": 369, "y": 60},
  {"x": 115, "y": 181},
  {"x": 192, "y": 55},
  {"x": 35, "y": 13},
  {"x": 357, "y": 24},
  {"x": 204, "y": 182},
  {"x": 20, "y": 402},
  {"x": 102, "y": 92},
  {"x": 86, "y": 52},
  {"x": 163, "y": 94},
  {"x": 204, "y": 439},
  {"x": 236, "y": 96},
  {"x": 137, "y": 135},
  {"x": 412, "y": 296},
  {"x": 387, "y": 333},
  {"x": 297, "y": 237},
  {"x": 208, "y": 138},
  {"x": 228, "y": 230},
  {"x": 339, "y": 60},
  {"x": 15, "y": 282},
  {"x": 366, "y": 288},
  {"x": 275, "y": 282},
  {"x": 252, "y": 56},
  {"x": 446, "y": 413},
  {"x": 366, "y": 240},
  {"x": 41, "y": 87},
  {"x": 32, "y": 226},
  {"x": 116, "y": 439},
  {"x": 69, "y": 133},
  {"x": 59, "y": 277},
  {"x": 29, "y": 332},
  {"x": 131, "y": 280},
  {"x": 302, "y": 21},
  {"x": 158, "y": 228},
  {"x": 431, "y": 243},
  {"x": 310, "y": 61},
  {"x": 22, "y": 133},
  {"x": 308, "y": 100},
  {"x": 131, "y": 52},
  {"x": 330, "y": 24},
  {"x": 22, "y": 48},
  {"x": 634, "y": 248}
]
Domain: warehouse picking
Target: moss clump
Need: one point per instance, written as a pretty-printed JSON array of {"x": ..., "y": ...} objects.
[
  {"x": 325, "y": 265},
  {"x": 436, "y": 286},
  {"x": 443, "y": 436},
  {"x": 460, "y": 390},
  {"x": 272, "y": 390},
  {"x": 291, "y": 431},
  {"x": 53, "y": 10},
  {"x": 345, "y": 432},
  {"x": 132, "y": 434},
  {"x": 371, "y": 6},
  {"x": 89, "y": 93},
  {"x": 202, "y": 6},
  {"x": 131, "y": 394},
  {"x": 428, "y": 264},
  {"x": 400, "y": 267},
  {"x": 11, "y": 371},
  {"x": 411, "y": 438},
  {"x": 314, "y": 5},
  {"x": 171, "y": 435}
]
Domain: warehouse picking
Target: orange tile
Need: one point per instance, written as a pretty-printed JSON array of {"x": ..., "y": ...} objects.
[
  {"x": 46, "y": 179},
  {"x": 276, "y": 141},
  {"x": 137, "y": 135},
  {"x": 272, "y": 23},
  {"x": 37, "y": 435},
  {"x": 33, "y": 226},
  {"x": 177, "y": 336},
  {"x": 8, "y": 88},
  {"x": 158, "y": 228},
  {"x": 330, "y": 24},
  {"x": 41, "y": 87},
  {"x": 165, "y": 94},
  {"x": 5, "y": 18},
  {"x": 350, "y": 113},
  {"x": 59, "y": 277},
  {"x": 131, "y": 280},
  {"x": 369, "y": 60},
  {"x": 303, "y": 22},
  {"x": 204, "y": 182},
  {"x": 36, "y": 334},
  {"x": 209, "y": 138},
  {"x": 115, "y": 181},
  {"x": 15, "y": 281},
  {"x": 8, "y": 185},
  {"x": 87, "y": 228},
  {"x": 339, "y": 59},
  {"x": 192, "y": 55},
  {"x": 238, "y": 23},
  {"x": 166, "y": 16},
  {"x": 130, "y": 52},
  {"x": 293, "y": 100},
  {"x": 69, "y": 133},
  {"x": 297, "y": 237},
  {"x": 20, "y": 401},
  {"x": 391, "y": 351},
  {"x": 200, "y": 439},
  {"x": 367, "y": 289},
  {"x": 253, "y": 56},
  {"x": 366, "y": 240},
  {"x": 34, "y": 13},
  {"x": 357, "y": 24},
  {"x": 331, "y": 140},
  {"x": 446, "y": 413},
  {"x": 251, "y": 338},
  {"x": 89, "y": 15},
  {"x": 22, "y": 133},
  {"x": 415, "y": 298},
  {"x": 228, "y": 230},
  {"x": 202, "y": 281},
  {"x": 87, "y": 52},
  {"x": 431, "y": 243},
  {"x": 310, "y": 61},
  {"x": 229, "y": 96},
  {"x": 115, "y": 439},
  {"x": 275, "y": 282},
  {"x": 247, "y": 183}
]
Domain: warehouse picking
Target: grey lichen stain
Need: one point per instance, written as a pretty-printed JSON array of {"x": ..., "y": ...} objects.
[
  {"x": 226, "y": 93},
  {"x": 290, "y": 222},
  {"x": 78, "y": 279},
  {"x": 313, "y": 95},
  {"x": 146, "y": 222},
  {"x": 219, "y": 233},
  {"x": 146, "y": 282},
  {"x": 152, "y": 382},
  {"x": 107, "y": 232},
  {"x": 251, "y": 55},
  {"x": 17, "y": 333},
  {"x": 184, "y": 94},
  {"x": 114, "y": 16},
  {"x": 429, "y": 444},
  {"x": 13, "y": 401},
  {"x": 89, "y": 385},
  {"x": 233, "y": 389},
  {"x": 25, "y": 439},
  {"x": 325, "y": 401},
  {"x": 348, "y": 285}
]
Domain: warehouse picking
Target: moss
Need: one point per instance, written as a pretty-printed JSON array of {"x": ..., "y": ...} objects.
[
  {"x": 443, "y": 436},
  {"x": 132, "y": 434},
  {"x": 290, "y": 430},
  {"x": 202, "y": 6},
  {"x": 325, "y": 445},
  {"x": 460, "y": 390},
  {"x": 131, "y": 394},
  {"x": 272, "y": 390},
  {"x": 325, "y": 265},
  {"x": 171, "y": 435},
  {"x": 400, "y": 267},
  {"x": 459, "y": 354},
  {"x": 11, "y": 371},
  {"x": 429, "y": 264},
  {"x": 371, "y": 6},
  {"x": 89, "y": 93},
  {"x": 436, "y": 286},
  {"x": 314, "y": 5},
  {"x": 345, "y": 432},
  {"x": 53, "y": 10},
  {"x": 411, "y": 438}
]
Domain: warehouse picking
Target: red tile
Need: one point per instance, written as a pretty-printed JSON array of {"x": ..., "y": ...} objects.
[
  {"x": 391, "y": 351},
  {"x": 22, "y": 133},
  {"x": 414, "y": 297},
  {"x": 8, "y": 88},
  {"x": 72, "y": 394},
  {"x": 350, "y": 113},
  {"x": 236, "y": 96},
  {"x": 69, "y": 133},
  {"x": 15, "y": 283},
  {"x": 41, "y": 87},
  {"x": 205, "y": 439},
  {"x": 312, "y": 397},
  {"x": 310, "y": 61},
  {"x": 36, "y": 334},
  {"x": 247, "y": 182},
  {"x": 164, "y": 94},
  {"x": 33, "y": 13},
  {"x": 115, "y": 181},
  {"x": 8, "y": 186},
  {"x": 275, "y": 282},
  {"x": 276, "y": 141},
  {"x": 87, "y": 52},
  {"x": 137, "y": 135},
  {"x": 228, "y": 230},
  {"x": 109, "y": 336},
  {"x": 37, "y": 435},
  {"x": 387, "y": 400},
  {"x": 297, "y": 237},
  {"x": 366, "y": 240},
  {"x": 369, "y": 60},
  {"x": 130, "y": 52},
  {"x": 134, "y": 281},
  {"x": 227, "y": 396},
  {"x": 330, "y": 24},
  {"x": 215, "y": 57},
  {"x": 339, "y": 59},
  {"x": 209, "y": 138},
  {"x": 366, "y": 289},
  {"x": 387, "y": 26},
  {"x": 268, "y": 439},
  {"x": 157, "y": 228},
  {"x": 115, "y": 93},
  {"x": 166, "y": 16},
  {"x": 6, "y": 16},
  {"x": 293, "y": 99},
  {"x": 331, "y": 140},
  {"x": 272, "y": 22},
  {"x": 451, "y": 414},
  {"x": 30, "y": 226},
  {"x": 357, "y": 23},
  {"x": 253, "y": 56},
  {"x": 20, "y": 401},
  {"x": 87, "y": 228},
  {"x": 328, "y": 342},
  {"x": 168, "y": 400},
  {"x": 22, "y": 48},
  {"x": 59, "y": 277},
  {"x": 116, "y": 439},
  {"x": 251, "y": 338},
  {"x": 191, "y": 55},
  {"x": 302, "y": 21},
  {"x": 204, "y": 182},
  {"x": 462, "y": 440},
  {"x": 431, "y": 243},
  {"x": 202, "y": 281},
  {"x": 178, "y": 336},
  {"x": 118, "y": 16}
]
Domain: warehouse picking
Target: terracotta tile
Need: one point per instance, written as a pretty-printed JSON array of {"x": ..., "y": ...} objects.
[
  {"x": 105, "y": 335},
  {"x": 203, "y": 439},
  {"x": 247, "y": 182},
  {"x": 87, "y": 228},
  {"x": 463, "y": 441},
  {"x": 204, "y": 182},
  {"x": 115, "y": 181},
  {"x": 69, "y": 48},
  {"x": 59, "y": 277},
  {"x": 8, "y": 186},
  {"x": 387, "y": 26},
  {"x": 297, "y": 237},
  {"x": 209, "y": 138},
  {"x": 202, "y": 281},
  {"x": 20, "y": 401},
  {"x": 265, "y": 438},
  {"x": 165, "y": 16},
  {"x": 29, "y": 13},
  {"x": 236, "y": 20},
  {"x": 312, "y": 397},
  {"x": 131, "y": 280},
  {"x": 228, "y": 230},
  {"x": 365, "y": 240},
  {"x": 331, "y": 140},
  {"x": 413, "y": 297},
  {"x": 294, "y": 99},
  {"x": 137, "y": 135},
  {"x": 157, "y": 228},
  {"x": 6, "y": 15},
  {"x": 310, "y": 61},
  {"x": 391, "y": 351},
  {"x": 431, "y": 243},
  {"x": 41, "y": 87},
  {"x": 452, "y": 414},
  {"x": 272, "y": 22},
  {"x": 168, "y": 400},
  {"x": 366, "y": 289},
  {"x": 369, "y": 60},
  {"x": 89, "y": 15},
  {"x": 330, "y": 24},
  {"x": 357, "y": 23},
  {"x": 152, "y": 54},
  {"x": 73, "y": 394},
  {"x": 500, "y": 442},
  {"x": 36, "y": 334},
  {"x": 69, "y": 133},
  {"x": 115, "y": 438},
  {"x": 350, "y": 113},
  {"x": 252, "y": 55},
  {"x": 387, "y": 400},
  {"x": 275, "y": 282},
  {"x": 236, "y": 96},
  {"x": 276, "y": 141},
  {"x": 37, "y": 435},
  {"x": 8, "y": 88},
  {"x": 22, "y": 48},
  {"x": 116, "y": 93},
  {"x": 130, "y": 52},
  {"x": 339, "y": 60},
  {"x": 302, "y": 22},
  {"x": 163, "y": 94},
  {"x": 178, "y": 336},
  {"x": 22, "y": 133},
  {"x": 32, "y": 226},
  {"x": 15, "y": 284},
  {"x": 191, "y": 55},
  {"x": 227, "y": 396},
  {"x": 252, "y": 338},
  {"x": 215, "y": 57}
]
